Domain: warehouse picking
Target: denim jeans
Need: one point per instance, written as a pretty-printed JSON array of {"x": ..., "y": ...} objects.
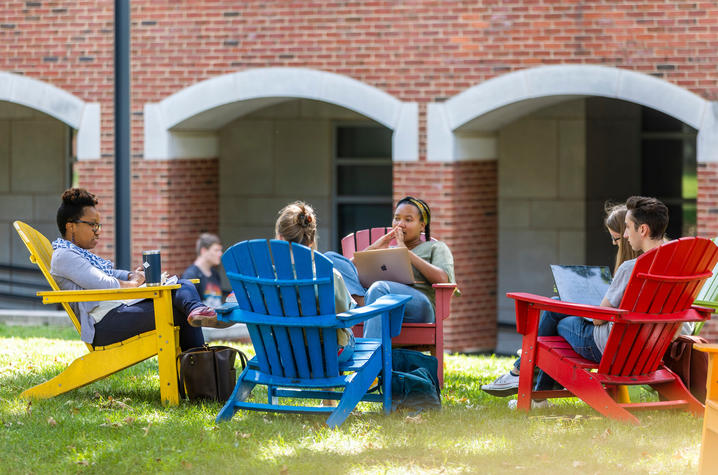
[
  {"x": 126, "y": 321},
  {"x": 348, "y": 271},
  {"x": 578, "y": 332},
  {"x": 417, "y": 310}
]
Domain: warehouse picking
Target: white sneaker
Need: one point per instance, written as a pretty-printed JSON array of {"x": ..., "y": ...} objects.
[
  {"x": 535, "y": 404},
  {"x": 505, "y": 385}
]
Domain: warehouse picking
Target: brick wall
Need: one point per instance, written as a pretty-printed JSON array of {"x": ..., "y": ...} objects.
[
  {"x": 422, "y": 51},
  {"x": 173, "y": 202},
  {"x": 462, "y": 198}
]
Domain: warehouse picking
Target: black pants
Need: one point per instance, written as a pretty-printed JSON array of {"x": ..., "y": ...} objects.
[{"x": 126, "y": 321}]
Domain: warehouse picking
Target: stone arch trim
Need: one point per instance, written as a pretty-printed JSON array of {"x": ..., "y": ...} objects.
[
  {"x": 166, "y": 139},
  {"x": 568, "y": 80},
  {"x": 57, "y": 103}
]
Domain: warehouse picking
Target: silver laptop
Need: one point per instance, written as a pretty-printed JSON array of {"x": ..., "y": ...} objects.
[
  {"x": 581, "y": 284},
  {"x": 384, "y": 264}
]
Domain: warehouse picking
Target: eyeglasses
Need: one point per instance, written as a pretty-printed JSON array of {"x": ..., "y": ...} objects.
[{"x": 95, "y": 226}]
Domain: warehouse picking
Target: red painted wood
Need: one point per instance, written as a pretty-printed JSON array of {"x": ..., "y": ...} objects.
[{"x": 657, "y": 299}]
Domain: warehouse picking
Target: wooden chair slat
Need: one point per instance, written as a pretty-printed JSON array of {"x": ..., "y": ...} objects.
[
  {"x": 348, "y": 245},
  {"x": 363, "y": 239},
  {"x": 304, "y": 269}
]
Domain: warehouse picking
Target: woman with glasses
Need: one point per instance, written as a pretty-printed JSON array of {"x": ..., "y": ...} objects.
[{"x": 75, "y": 267}]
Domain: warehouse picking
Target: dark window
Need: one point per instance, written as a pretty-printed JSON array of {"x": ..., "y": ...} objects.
[
  {"x": 363, "y": 184},
  {"x": 668, "y": 163}
]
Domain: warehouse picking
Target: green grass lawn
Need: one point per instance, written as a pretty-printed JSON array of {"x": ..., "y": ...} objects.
[{"x": 117, "y": 425}]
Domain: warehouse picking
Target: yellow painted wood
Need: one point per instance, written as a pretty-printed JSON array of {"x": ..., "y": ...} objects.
[
  {"x": 167, "y": 348},
  {"x": 709, "y": 446},
  {"x": 60, "y": 296},
  {"x": 622, "y": 395},
  {"x": 96, "y": 365},
  {"x": 104, "y": 361}
]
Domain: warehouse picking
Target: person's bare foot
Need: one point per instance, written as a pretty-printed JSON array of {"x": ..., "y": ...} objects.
[{"x": 206, "y": 317}]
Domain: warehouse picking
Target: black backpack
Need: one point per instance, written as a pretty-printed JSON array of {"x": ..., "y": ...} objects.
[{"x": 414, "y": 384}]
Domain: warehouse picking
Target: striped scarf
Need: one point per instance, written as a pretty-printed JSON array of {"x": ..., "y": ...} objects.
[{"x": 103, "y": 264}]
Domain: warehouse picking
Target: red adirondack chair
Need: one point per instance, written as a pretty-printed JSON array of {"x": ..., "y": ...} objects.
[
  {"x": 423, "y": 336},
  {"x": 658, "y": 298}
]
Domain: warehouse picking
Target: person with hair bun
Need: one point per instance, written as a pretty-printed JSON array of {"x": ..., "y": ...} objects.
[
  {"x": 431, "y": 261},
  {"x": 74, "y": 267},
  {"x": 297, "y": 222}
]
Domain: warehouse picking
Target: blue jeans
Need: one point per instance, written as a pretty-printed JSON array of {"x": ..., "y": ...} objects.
[
  {"x": 126, "y": 321},
  {"x": 417, "y": 310},
  {"x": 348, "y": 271}
]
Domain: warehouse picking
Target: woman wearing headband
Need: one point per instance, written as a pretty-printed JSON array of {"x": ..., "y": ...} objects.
[{"x": 431, "y": 262}]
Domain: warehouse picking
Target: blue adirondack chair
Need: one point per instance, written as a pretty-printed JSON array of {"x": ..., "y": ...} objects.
[{"x": 285, "y": 296}]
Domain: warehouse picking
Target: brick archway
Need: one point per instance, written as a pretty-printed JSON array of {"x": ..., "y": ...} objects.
[
  {"x": 493, "y": 103},
  {"x": 53, "y": 101},
  {"x": 183, "y": 124}
]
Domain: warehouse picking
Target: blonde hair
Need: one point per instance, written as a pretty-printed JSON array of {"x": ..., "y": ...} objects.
[
  {"x": 616, "y": 222},
  {"x": 297, "y": 223}
]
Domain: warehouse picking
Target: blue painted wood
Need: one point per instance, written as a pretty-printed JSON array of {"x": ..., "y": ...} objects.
[{"x": 285, "y": 295}]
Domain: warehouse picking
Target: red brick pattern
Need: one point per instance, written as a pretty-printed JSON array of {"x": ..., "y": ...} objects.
[
  {"x": 176, "y": 200},
  {"x": 463, "y": 201},
  {"x": 422, "y": 51}
]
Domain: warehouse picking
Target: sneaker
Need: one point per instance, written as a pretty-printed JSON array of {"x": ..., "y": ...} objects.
[
  {"x": 206, "y": 317},
  {"x": 505, "y": 385},
  {"x": 535, "y": 404}
]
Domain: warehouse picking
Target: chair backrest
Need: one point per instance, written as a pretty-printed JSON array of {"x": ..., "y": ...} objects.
[
  {"x": 41, "y": 254},
  {"x": 709, "y": 291},
  {"x": 283, "y": 281},
  {"x": 359, "y": 240},
  {"x": 664, "y": 281}
]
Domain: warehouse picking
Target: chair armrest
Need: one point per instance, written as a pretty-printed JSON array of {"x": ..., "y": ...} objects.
[
  {"x": 361, "y": 314},
  {"x": 226, "y": 307},
  {"x": 67, "y": 296},
  {"x": 568, "y": 308},
  {"x": 693, "y": 314},
  {"x": 342, "y": 320},
  {"x": 443, "y": 293}
]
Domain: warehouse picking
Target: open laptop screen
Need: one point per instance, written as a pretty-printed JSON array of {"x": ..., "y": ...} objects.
[{"x": 581, "y": 284}]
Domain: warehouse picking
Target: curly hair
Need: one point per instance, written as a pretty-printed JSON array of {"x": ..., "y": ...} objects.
[
  {"x": 297, "y": 223},
  {"x": 74, "y": 202}
]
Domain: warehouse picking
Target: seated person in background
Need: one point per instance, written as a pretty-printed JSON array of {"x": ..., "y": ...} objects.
[
  {"x": 431, "y": 261},
  {"x": 298, "y": 223},
  {"x": 209, "y": 256},
  {"x": 74, "y": 267},
  {"x": 646, "y": 222}
]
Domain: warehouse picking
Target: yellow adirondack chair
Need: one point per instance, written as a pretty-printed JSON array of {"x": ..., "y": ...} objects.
[{"x": 102, "y": 361}]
